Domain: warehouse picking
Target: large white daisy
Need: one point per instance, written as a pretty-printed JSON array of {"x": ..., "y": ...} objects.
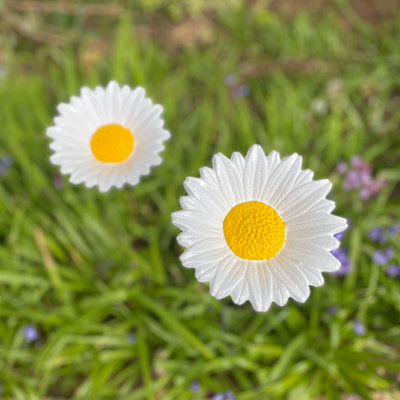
[
  {"x": 258, "y": 228},
  {"x": 108, "y": 136}
]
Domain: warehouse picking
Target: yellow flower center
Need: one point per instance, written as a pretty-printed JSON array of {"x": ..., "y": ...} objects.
[
  {"x": 112, "y": 143},
  {"x": 254, "y": 231}
]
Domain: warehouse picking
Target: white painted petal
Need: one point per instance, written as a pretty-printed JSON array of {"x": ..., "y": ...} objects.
[
  {"x": 211, "y": 197},
  {"x": 257, "y": 285},
  {"x": 240, "y": 293},
  {"x": 207, "y": 251},
  {"x": 294, "y": 278},
  {"x": 304, "y": 177},
  {"x": 273, "y": 160},
  {"x": 238, "y": 160},
  {"x": 230, "y": 182},
  {"x": 326, "y": 241},
  {"x": 303, "y": 198},
  {"x": 309, "y": 226},
  {"x": 315, "y": 257},
  {"x": 282, "y": 180},
  {"x": 230, "y": 272},
  {"x": 197, "y": 219},
  {"x": 255, "y": 173}
]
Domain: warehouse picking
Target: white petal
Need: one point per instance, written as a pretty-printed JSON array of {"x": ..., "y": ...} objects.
[
  {"x": 238, "y": 160},
  {"x": 229, "y": 179},
  {"x": 304, "y": 198},
  {"x": 240, "y": 294},
  {"x": 282, "y": 180},
  {"x": 229, "y": 274},
  {"x": 255, "y": 173},
  {"x": 309, "y": 226},
  {"x": 315, "y": 257},
  {"x": 206, "y": 251}
]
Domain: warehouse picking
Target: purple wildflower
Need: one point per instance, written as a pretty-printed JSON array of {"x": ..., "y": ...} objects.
[
  {"x": 194, "y": 386},
  {"x": 58, "y": 182},
  {"x": 342, "y": 255},
  {"x": 393, "y": 271},
  {"x": 382, "y": 257},
  {"x": 377, "y": 234},
  {"x": 352, "y": 181},
  {"x": 376, "y": 185},
  {"x": 358, "y": 163},
  {"x": 131, "y": 338},
  {"x": 394, "y": 229},
  {"x": 228, "y": 395},
  {"x": 341, "y": 168},
  {"x": 5, "y": 163},
  {"x": 340, "y": 235},
  {"x": 332, "y": 310},
  {"x": 359, "y": 177},
  {"x": 241, "y": 90},
  {"x": 31, "y": 334},
  {"x": 359, "y": 328}
]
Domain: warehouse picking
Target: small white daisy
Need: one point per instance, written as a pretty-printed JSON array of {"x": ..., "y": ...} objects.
[
  {"x": 258, "y": 228},
  {"x": 108, "y": 136}
]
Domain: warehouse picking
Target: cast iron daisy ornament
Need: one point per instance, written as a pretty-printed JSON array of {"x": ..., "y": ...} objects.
[
  {"x": 108, "y": 136},
  {"x": 258, "y": 228}
]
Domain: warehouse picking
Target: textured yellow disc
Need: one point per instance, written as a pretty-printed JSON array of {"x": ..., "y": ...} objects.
[
  {"x": 112, "y": 143},
  {"x": 254, "y": 231}
]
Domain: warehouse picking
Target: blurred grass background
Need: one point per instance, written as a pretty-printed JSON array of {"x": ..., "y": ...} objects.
[{"x": 98, "y": 278}]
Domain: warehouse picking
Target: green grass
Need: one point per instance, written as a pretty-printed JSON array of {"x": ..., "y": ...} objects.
[{"x": 90, "y": 270}]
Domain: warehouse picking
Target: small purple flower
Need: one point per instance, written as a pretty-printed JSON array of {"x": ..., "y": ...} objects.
[
  {"x": 31, "y": 334},
  {"x": 340, "y": 235},
  {"x": 131, "y": 338},
  {"x": 5, "y": 163},
  {"x": 359, "y": 328},
  {"x": 58, "y": 182},
  {"x": 393, "y": 271},
  {"x": 332, "y": 310},
  {"x": 341, "y": 167},
  {"x": 194, "y": 386},
  {"x": 241, "y": 90},
  {"x": 359, "y": 177},
  {"x": 382, "y": 257},
  {"x": 376, "y": 185},
  {"x": 377, "y": 234},
  {"x": 358, "y": 163},
  {"x": 365, "y": 194},
  {"x": 228, "y": 395},
  {"x": 352, "y": 181},
  {"x": 394, "y": 229},
  {"x": 342, "y": 255}
]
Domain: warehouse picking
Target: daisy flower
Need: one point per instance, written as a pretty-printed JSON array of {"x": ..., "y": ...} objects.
[
  {"x": 108, "y": 136},
  {"x": 258, "y": 228}
]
